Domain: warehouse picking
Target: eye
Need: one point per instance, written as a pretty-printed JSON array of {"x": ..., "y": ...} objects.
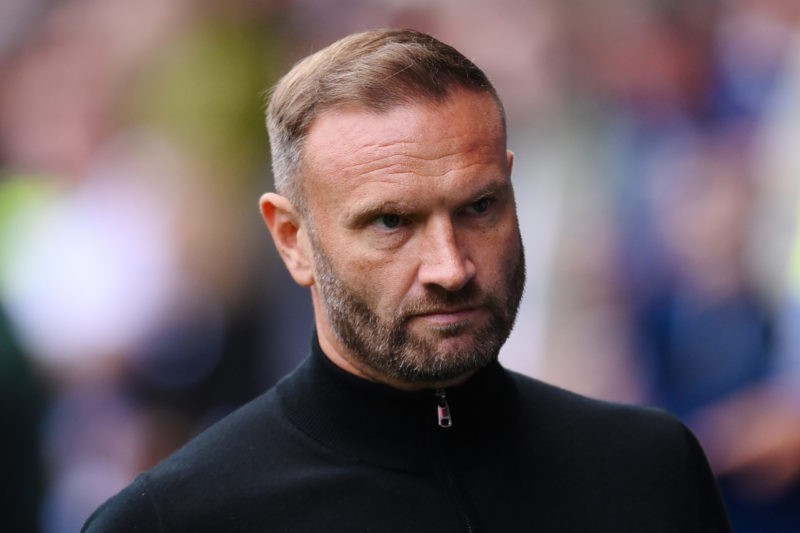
[
  {"x": 390, "y": 221},
  {"x": 480, "y": 206}
]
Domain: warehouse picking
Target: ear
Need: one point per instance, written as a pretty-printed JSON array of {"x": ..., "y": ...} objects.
[
  {"x": 510, "y": 156},
  {"x": 288, "y": 231}
]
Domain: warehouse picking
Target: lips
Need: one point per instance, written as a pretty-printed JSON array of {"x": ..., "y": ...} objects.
[{"x": 447, "y": 316}]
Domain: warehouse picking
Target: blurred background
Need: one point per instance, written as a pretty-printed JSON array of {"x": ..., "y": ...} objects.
[{"x": 658, "y": 182}]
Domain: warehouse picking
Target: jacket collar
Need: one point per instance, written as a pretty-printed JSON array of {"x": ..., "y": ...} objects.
[{"x": 376, "y": 423}]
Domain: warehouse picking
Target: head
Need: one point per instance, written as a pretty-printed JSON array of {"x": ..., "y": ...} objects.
[{"x": 394, "y": 205}]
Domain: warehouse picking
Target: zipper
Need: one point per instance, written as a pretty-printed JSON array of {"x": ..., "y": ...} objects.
[
  {"x": 443, "y": 410},
  {"x": 456, "y": 492}
]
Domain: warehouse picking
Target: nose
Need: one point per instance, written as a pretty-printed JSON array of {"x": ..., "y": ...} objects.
[{"x": 443, "y": 260}]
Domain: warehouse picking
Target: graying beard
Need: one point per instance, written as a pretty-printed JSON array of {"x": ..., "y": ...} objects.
[{"x": 397, "y": 355}]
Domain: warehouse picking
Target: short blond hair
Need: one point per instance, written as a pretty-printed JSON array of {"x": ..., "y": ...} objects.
[{"x": 377, "y": 70}]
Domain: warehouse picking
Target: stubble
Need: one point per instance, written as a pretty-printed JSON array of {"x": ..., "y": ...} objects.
[{"x": 388, "y": 346}]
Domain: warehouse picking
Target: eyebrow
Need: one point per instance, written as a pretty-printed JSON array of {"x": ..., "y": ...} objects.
[
  {"x": 494, "y": 188},
  {"x": 362, "y": 215}
]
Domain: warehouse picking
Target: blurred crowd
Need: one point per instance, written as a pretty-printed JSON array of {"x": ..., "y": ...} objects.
[{"x": 658, "y": 186}]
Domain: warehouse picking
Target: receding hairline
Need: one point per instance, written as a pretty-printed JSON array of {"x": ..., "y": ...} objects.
[
  {"x": 421, "y": 102},
  {"x": 375, "y": 71},
  {"x": 424, "y": 102},
  {"x": 313, "y": 78}
]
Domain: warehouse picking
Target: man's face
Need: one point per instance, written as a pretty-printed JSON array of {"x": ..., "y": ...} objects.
[{"x": 418, "y": 263}]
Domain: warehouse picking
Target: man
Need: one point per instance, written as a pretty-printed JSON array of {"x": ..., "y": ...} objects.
[{"x": 394, "y": 205}]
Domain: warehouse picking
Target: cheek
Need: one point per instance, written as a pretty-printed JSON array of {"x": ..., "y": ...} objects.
[
  {"x": 385, "y": 283},
  {"x": 496, "y": 251},
  {"x": 379, "y": 278}
]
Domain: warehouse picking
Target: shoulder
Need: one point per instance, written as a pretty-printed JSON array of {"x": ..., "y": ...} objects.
[
  {"x": 220, "y": 456},
  {"x": 132, "y": 510},
  {"x": 616, "y": 433},
  {"x": 627, "y": 464},
  {"x": 563, "y": 408},
  {"x": 231, "y": 438}
]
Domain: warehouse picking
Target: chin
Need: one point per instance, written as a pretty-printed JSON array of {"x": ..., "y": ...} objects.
[{"x": 448, "y": 340}]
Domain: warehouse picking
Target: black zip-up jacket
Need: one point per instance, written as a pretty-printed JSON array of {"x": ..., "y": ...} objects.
[{"x": 327, "y": 451}]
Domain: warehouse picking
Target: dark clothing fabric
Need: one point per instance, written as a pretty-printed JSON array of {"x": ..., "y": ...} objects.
[{"x": 327, "y": 451}]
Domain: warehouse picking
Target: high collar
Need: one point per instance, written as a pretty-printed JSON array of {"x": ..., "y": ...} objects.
[{"x": 379, "y": 424}]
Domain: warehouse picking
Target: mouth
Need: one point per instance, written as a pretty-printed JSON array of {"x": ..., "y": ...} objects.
[{"x": 445, "y": 317}]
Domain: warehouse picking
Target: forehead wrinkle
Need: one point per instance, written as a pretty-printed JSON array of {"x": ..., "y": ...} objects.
[
  {"x": 416, "y": 162},
  {"x": 348, "y": 152},
  {"x": 400, "y": 132},
  {"x": 371, "y": 158}
]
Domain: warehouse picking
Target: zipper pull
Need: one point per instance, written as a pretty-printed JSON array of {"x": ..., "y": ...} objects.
[{"x": 443, "y": 410}]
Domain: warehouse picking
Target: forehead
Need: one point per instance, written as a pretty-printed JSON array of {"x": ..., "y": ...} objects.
[{"x": 348, "y": 147}]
